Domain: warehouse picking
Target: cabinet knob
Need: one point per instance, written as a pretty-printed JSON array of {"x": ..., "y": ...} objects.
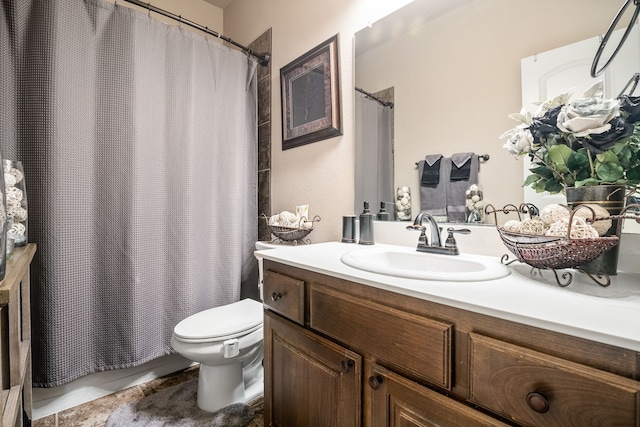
[
  {"x": 375, "y": 381},
  {"x": 276, "y": 296},
  {"x": 347, "y": 365},
  {"x": 538, "y": 402}
]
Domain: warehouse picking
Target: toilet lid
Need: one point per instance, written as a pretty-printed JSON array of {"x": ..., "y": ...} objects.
[{"x": 222, "y": 322}]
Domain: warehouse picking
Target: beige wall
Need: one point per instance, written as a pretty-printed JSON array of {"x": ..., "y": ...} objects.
[
  {"x": 472, "y": 69},
  {"x": 198, "y": 11},
  {"x": 318, "y": 174}
]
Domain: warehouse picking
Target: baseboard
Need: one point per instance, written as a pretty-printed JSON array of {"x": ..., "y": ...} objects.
[{"x": 47, "y": 401}]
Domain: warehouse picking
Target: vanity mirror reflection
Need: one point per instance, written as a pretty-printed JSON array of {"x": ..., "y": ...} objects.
[{"x": 455, "y": 70}]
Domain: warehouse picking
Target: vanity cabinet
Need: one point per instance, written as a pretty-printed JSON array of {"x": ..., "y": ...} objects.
[
  {"x": 340, "y": 353},
  {"x": 312, "y": 381}
]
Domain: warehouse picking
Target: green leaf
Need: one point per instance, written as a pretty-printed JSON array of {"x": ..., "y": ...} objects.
[
  {"x": 607, "y": 157},
  {"x": 542, "y": 171},
  {"x": 634, "y": 174},
  {"x": 553, "y": 186},
  {"x": 539, "y": 185},
  {"x": 588, "y": 181},
  {"x": 610, "y": 172},
  {"x": 578, "y": 162},
  {"x": 559, "y": 156},
  {"x": 530, "y": 180}
]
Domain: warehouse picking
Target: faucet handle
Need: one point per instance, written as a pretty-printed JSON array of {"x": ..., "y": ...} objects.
[
  {"x": 451, "y": 241},
  {"x": 452, "y": 230},
  {"x": 416, "y": 227}
]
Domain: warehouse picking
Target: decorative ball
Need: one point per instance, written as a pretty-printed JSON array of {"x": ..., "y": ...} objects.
[
  {"x": 601, "y": 225},
  {"x": 533, "y": 226},
  {"x": 580, "y": 229},
  {"x": 512, "y": 225},
  {"x": 9, "y": 180},
  {"x": 17, "y": 174},
  {"x": 553, "y": 212}
]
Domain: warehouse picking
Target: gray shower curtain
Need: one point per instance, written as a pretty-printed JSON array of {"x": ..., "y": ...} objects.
[
  {"x": 139, "y": 143},
  {"x": 374, "y": 154}
]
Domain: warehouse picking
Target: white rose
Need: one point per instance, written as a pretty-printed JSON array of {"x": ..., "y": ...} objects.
[
  {"x": 590, "y": 114},
  {"x": 519, "y": 142}
]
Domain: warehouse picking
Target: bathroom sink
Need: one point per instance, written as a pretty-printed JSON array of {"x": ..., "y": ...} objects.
[{"x": 410, "y": 264}]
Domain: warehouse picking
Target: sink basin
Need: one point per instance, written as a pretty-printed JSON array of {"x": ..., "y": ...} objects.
[{"x": 410, "y": 264}]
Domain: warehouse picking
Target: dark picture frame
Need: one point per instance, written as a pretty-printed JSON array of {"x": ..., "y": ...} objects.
[{"x": 310, "y": 91}]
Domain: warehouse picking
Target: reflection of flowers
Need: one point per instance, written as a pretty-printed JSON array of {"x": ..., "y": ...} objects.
[{"x": 589, "y": 141}]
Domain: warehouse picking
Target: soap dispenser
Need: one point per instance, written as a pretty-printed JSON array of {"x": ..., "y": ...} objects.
[
  {"x": 366, "y": 226},
  {"x": 383, "y": 215}
]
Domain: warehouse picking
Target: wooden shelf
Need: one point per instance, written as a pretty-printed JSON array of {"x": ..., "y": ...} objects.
[{"x": 15, "y": 338}]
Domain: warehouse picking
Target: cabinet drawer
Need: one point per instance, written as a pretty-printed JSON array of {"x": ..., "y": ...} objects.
[
  {"x": 535, "y": 389},
  {"x": 284, "y": 295},
  {"x": 407, "y": 341},
  {"x": 397, "y": 401}
]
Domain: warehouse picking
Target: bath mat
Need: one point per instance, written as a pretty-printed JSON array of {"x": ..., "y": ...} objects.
[{"x": 177, "y": 406}]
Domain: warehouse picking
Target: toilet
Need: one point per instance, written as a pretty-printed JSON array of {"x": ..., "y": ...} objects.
[{"x": 227, "y": 341}]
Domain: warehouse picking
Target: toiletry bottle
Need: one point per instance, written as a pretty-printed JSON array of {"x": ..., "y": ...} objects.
[
  {"x": 383, "y": 215},
  {"x": 366, "y": 226}
]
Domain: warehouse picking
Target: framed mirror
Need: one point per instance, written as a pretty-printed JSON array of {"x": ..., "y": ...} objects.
[{"x": 455, "y": 70}]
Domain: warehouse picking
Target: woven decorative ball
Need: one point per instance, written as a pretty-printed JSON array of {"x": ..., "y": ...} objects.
[{"x": 601, "y": 225}]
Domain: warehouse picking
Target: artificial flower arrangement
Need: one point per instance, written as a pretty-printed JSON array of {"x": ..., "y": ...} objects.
[{"x": 592, "y": 140}]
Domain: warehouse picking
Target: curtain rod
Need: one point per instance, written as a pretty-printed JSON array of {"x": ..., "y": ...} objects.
[
  {"x": 375, "y": 98},
  {"x": 263, "y": 58}
]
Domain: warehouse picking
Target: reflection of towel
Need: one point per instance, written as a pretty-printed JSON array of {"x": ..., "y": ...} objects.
[
  {"x": 461, "y": 166},
  {"x": 431, "y": 171},
  {"x": 456, "y": 190},
  {"x": 433, "y": 198}
]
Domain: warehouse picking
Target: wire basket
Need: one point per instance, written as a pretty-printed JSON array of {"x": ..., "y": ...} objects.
[
  {"x": 553, "y": 252},
  {"x": 292, "y": 234}
]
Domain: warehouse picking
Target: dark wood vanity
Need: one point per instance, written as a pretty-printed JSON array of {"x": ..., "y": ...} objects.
[{"x": 340, "y": 353}]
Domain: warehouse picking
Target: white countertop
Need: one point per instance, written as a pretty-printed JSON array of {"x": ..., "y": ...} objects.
[{"x": 583, "y": 309}]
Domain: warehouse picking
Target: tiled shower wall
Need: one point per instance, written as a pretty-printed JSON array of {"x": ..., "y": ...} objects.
[{"x": 263, "y": 45}]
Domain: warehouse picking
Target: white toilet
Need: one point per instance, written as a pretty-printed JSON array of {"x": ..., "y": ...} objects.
[{"x": 227, "y": 341}]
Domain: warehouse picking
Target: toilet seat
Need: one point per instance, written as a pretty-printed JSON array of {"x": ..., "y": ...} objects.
[{"x": 221, "y": 323}]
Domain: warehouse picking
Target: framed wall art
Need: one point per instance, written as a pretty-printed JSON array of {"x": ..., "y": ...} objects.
[{"x": 310, "y": 90}]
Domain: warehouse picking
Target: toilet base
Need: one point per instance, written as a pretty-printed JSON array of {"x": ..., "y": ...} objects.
[{"x": 220, "y": 386}]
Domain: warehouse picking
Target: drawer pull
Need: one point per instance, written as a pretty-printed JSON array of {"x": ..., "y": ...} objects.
[
  {"x": 347, "y": 365},
  {"x": 276, "y": 296},
  {"x": 375, "y": 381},
  {"x": 538, "y": 402}
]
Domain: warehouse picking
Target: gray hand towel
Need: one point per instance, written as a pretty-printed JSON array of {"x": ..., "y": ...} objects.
[
  {"x": 456, "y": 190},
  {"x": 460, "y": 166},
  {"x": 430, "y": 175},
  {"x": 433, "y": 198}
]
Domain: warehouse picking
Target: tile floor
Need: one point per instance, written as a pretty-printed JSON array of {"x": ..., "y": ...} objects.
[{"x": 96, "y": 412}]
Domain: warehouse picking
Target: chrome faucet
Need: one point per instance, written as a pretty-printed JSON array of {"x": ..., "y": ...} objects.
[{"x": 434, "y": 245}]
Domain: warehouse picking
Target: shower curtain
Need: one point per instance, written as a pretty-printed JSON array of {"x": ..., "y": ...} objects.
[
  {"x": 374, "y": 154},
  {"x": 139, "y": 143}
]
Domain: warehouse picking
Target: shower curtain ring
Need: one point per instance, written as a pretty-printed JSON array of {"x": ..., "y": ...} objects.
[
  {"x": 149, "y": 9},
  {"x": 179, "y": 21}
]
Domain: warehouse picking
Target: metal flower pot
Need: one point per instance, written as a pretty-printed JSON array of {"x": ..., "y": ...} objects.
[{"x": 611, "y": 198}]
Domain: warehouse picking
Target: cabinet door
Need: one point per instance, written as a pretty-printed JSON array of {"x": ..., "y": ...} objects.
[
  {"x": 309, "y": 381},
  {"x": 399, "y": 402}
]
